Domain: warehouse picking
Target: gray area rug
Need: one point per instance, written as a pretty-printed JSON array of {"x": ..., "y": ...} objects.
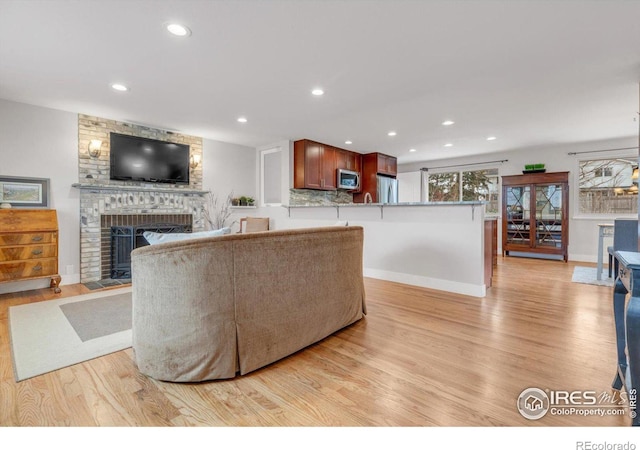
[
  {"x": 99, "y": 317},
  {"x": 588, "y": 275},
  {"x": 43, "y": 338}
]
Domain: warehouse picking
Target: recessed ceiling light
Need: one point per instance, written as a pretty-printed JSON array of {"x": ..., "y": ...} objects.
[
  {"x": 412, "y": 150},
  {"x": 348, "y": 142},
  {"x": 391, "y": 133},
  {"x": 448, "y": 122},
  {"x": 242, "y": 119},
  {"x": 317, "y": 92},
  {"x": 491, "y": 138},
  {"x": 119, "y": 87},
  {"x": 178, "y": 30},
  {"x": 448, "y": 144}
]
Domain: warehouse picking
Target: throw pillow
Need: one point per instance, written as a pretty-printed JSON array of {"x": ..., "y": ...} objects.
[{"x": 158, "y": 238}]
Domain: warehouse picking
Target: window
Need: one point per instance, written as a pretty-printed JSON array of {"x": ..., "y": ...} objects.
[
  {"x": 444, "y": 187},
  {"x": 608, "y": 186},
  {"x": 482, "y": 185},
  {"x": 476, "y": 185},
  {"x": 603, "y": 172}
]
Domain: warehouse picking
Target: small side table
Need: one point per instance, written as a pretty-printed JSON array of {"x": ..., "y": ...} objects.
[
  {"x": 604, "y": 230},
  {"x": 627, "y": 321}
]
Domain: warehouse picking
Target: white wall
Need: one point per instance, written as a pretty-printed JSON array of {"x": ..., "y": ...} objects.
[
  {"x": 43, "y": 143},
  {"x": 228, "y": 168},
  {"x": 409, "y": 187},
  {"x": 583, "y": 231}
]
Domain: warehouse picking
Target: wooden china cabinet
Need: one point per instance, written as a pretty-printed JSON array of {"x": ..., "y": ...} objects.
[{"x": 535, "y": 210}]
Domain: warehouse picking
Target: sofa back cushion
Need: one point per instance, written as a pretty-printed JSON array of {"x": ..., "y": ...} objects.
[{"x": 159, "y": 238}]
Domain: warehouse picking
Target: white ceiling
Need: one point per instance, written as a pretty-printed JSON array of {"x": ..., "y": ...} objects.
[{"x": 529, "y": 72}]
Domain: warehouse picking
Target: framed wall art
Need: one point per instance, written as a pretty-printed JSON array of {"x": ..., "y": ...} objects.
[{"x": 22, "y": 192}]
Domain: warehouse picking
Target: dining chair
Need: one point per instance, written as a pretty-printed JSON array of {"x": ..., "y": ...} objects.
[
  {"x": 625, "y": 238},
  {"x": 254, "y": 224}
]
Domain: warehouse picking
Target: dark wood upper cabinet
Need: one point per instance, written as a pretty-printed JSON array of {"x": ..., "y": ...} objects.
[
  {"x": 328, "y": 168},
  {"x": 314, "y": 165},
  {"x": 387, "y": 165},
  {"x": 349, "y": 160}
]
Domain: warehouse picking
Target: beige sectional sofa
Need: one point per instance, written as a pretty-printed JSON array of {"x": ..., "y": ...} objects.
[{"x": 212, "y": 308}]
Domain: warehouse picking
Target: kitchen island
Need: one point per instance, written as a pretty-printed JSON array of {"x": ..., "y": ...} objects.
[{"x": 433, "y": 245}]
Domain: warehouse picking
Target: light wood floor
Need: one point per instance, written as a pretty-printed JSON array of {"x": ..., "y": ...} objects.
[{"x": 420, "y": 358}]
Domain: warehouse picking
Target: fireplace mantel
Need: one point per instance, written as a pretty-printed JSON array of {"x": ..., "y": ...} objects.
[{"x": 143, "y": 188}]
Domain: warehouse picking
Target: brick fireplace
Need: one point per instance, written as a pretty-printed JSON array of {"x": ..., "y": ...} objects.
[
  {"x": 102, "y": 208},
  {"x": 105, "y": 203}
]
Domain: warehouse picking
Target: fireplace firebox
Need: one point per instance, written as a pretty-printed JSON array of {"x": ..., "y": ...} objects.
[{"x": 125, "y": 239}]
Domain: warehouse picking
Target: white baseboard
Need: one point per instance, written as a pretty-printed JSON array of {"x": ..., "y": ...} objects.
[
  {"x": 426, "y": 282},
  {"x": 27, "y": 285},
  {"x": 41, "y": 283},
  {"x": 587, "y": 258}
]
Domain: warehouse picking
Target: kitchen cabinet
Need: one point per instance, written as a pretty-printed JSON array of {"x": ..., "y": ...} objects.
[
  {"x": 349, "y": 160},
  {"x": 314, "y": 165},
  {"x": 535, "y": 213},
  {"x": 386, "y": 165},
  {"x": 29, "y": 245}
]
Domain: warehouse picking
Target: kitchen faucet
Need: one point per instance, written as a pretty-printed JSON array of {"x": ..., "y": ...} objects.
[{"x": 367, "y": 196}]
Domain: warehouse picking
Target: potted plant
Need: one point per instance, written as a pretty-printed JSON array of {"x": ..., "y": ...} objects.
[
  {"x": 243, "y": 201},
  {"x": 235, "y": 201},
  {"x": 250, "y": 201}
]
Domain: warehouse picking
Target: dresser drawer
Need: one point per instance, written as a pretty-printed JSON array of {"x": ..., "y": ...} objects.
[
  {"x": 28, "y": 220},
  {"x": 28, "y": 238},
  {"x": 27, "y": 252},
  {"x": 10, "y": 271}
]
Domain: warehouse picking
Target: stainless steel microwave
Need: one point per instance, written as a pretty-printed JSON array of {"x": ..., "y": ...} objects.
[{"x": 348, "y": 179}]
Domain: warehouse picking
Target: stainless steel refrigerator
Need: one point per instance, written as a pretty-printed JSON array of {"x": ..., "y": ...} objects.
[{"x": 387, "y": 189}]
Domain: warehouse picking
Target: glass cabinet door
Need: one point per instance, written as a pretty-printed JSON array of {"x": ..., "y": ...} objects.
[
  {"x": 549, "y": 215},
  {"x": 518, "y": 215}
]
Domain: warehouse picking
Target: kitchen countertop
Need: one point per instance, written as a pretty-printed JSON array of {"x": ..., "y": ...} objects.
[{"x": 382, "y": 206}]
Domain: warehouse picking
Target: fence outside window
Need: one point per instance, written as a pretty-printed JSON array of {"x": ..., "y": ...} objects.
[{"x": 608, "y": 186}]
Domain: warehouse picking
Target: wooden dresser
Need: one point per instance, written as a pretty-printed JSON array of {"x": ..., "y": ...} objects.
[{"x": 29, "y": 245}]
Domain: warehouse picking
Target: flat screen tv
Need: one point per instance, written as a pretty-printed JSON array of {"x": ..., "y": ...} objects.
[{"x": 142, "y": 159}]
